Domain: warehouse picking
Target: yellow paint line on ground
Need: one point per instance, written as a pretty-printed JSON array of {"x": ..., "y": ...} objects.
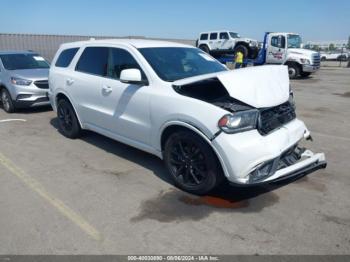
[{"x": 53, "y": 201}]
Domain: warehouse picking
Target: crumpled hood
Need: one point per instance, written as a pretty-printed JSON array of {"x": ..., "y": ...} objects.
[{"x": 260, "y": 86}]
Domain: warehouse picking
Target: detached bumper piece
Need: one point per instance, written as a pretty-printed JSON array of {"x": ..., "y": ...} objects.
[{"x": 294, "y": 162}]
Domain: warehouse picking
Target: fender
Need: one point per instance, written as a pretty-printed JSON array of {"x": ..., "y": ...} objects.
[
  {"x": 71, "y": 101},
  {"x": 206, "y": 46},
  {"x": 195, "y": 130}
]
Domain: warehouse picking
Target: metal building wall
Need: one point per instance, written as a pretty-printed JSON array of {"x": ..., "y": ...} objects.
[{"x": 47, "y": 45}]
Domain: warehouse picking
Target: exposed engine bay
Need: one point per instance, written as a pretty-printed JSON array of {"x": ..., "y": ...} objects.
[{"x": 212, "y": 91}]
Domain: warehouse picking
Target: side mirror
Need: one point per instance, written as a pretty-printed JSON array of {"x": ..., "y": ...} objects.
[{"x": 132, "y": 76}]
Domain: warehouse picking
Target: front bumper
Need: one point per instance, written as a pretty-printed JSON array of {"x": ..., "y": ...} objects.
[
  {"x": 310, "y": 68},
  {"x": 243, "y": 155},
  {"x": 31, "y": 100},
  {"x": 286, "y": 166},
  {"x": 29, "y": 96}
]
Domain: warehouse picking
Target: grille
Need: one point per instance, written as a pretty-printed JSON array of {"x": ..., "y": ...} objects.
[
  {"x": 274, "y": 117},
  {"x": 316, "y": 60},
  {"x": 43, "y": 84}
]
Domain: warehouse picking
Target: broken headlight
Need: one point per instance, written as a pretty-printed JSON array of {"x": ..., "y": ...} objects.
[{"x": 239, "y": 121}]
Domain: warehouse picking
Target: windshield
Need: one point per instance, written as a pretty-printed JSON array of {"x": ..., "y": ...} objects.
[
  {"x": 23, "y": 61},
  {"x": 294, "y": 41},
  {"x": 234, "y": 35},
  {"x": 174, "y": 63}
]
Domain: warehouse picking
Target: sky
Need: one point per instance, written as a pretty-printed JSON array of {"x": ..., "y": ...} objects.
[{"x": 179, "y": 19}]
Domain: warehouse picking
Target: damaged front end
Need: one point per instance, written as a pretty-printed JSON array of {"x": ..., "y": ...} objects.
[
  {"x": 256, "y": 100},
  {"x": 275, "y": 169},
  {"x": 243, "y": 117}
]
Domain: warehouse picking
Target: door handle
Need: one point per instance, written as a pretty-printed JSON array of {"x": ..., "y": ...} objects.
[
  {"x": 69, "y": 81},
  {"x": 107, "y": 89}
]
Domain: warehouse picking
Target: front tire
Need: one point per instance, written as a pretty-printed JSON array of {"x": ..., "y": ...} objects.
[
  {"x": 7, "y": 102},
  {"x": 192, "y": 163},
  {"x": 68, "y": 123},
  {"x": 293, "y": 71}
]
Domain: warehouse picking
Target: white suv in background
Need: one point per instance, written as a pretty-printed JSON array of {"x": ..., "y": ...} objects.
[
  {"x": 227, "y": 42},
  {"x": 208, "y": 124}
]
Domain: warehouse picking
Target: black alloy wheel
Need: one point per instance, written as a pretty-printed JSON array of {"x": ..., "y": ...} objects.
[
  {"x": 68, "y": 122},
  {"x": 192, "y": 163}
]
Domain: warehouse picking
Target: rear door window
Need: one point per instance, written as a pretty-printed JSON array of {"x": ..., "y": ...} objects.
[
  {"x": 213, "y": 36},
  {"x": 66, "y": 57},
  {"x": 93, "y": 60}
]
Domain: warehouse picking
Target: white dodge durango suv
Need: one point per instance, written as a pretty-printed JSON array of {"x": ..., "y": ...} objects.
[{"x": 175, "y": 101}]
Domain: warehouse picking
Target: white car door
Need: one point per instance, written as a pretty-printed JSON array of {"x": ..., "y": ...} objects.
[
  {"x": 214, "y": 41},
  {"x": 85, "y": 86},
  {"x": 125, "y": 106},
  {"x": 225, "y": 41},
  {"x": 276, "y": 51}
]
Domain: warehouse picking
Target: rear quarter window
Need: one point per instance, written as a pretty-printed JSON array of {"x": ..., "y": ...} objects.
[{"x": 66, "y": 57}]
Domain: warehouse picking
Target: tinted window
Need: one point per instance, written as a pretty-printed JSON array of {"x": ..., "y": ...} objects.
[
  {"x": 174, "y": 63},
  {"x": 234, "y": 35},
  {"x": 120, "y": 59},
  {"x": 23, "y": 61},
  {"x": 94, "y": 60},
  {"x": 66, "y": 57},
  {"x": 204, "y": 37},
  {"x": 213, "y": 36},
  {"x": 294, "y": 41},
  {"x": 278, "y": 41},
  {"x": 224, "y": 36}
]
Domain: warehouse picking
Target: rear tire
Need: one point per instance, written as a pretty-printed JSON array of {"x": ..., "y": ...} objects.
[
  {"x": 7, "y": 102},
  {"x": 68, "y": 123},
  {"x": 192, "y": 163},
  {"x": 204, "y": 48},
  {"x": 293, "y": 71}
]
